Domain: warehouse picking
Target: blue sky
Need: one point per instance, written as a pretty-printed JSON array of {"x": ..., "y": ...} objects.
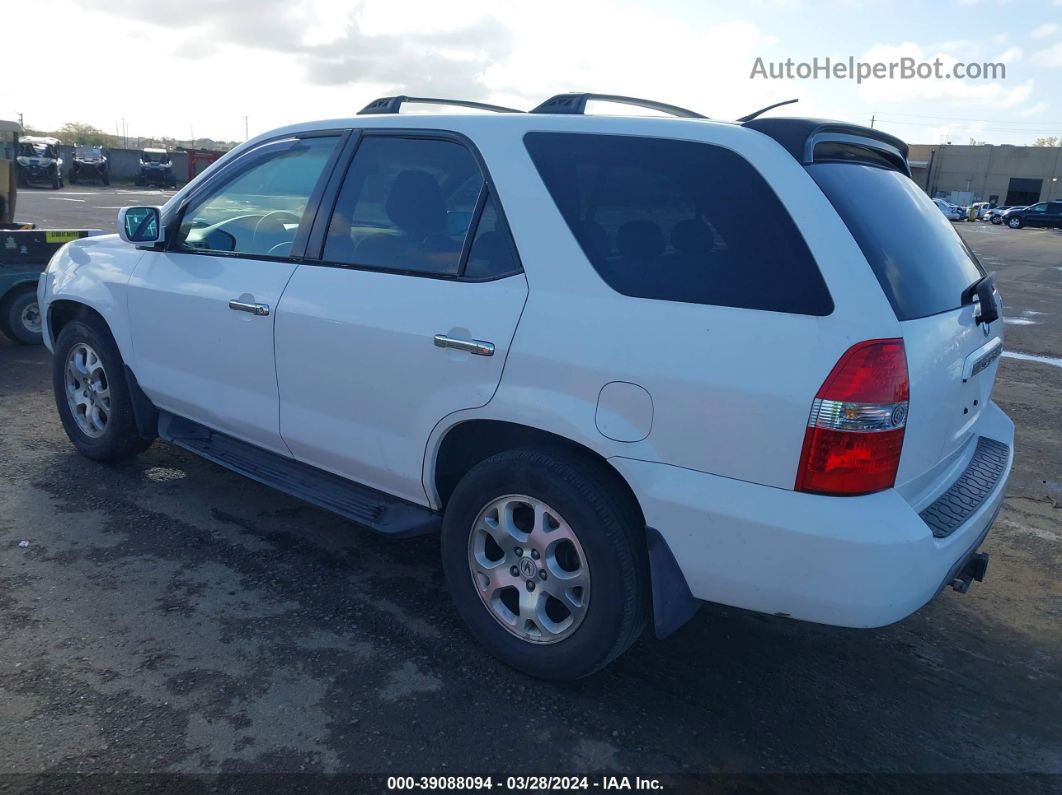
[{"x": 200, "y": 66}]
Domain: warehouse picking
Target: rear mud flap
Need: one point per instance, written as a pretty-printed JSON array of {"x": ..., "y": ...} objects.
[{"x": 673, "y": 604}]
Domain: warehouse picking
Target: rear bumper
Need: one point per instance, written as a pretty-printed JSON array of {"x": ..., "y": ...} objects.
[{"x": 847, "y": 561}]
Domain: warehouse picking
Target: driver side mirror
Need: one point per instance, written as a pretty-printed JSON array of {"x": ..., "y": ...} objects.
[{"x": 140, "y": 225}]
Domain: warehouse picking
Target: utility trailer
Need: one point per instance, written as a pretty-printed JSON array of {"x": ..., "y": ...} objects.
[{"x": 24, "y": 254}]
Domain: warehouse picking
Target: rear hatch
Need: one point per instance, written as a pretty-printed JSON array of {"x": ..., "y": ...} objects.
[{"x": 928, "y": 273}]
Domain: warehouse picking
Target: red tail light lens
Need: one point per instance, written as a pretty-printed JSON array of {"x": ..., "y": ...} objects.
[{"x": 855, "y": 432}]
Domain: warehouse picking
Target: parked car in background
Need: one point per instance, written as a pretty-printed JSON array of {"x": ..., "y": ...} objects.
[
  {"x": 39, "y": 161},
  {"x": 995, "y": 214},
  {"x": 90, "y": 162},
  {"x": 1042, "y": 214},
  {"x": 950, "y": 211},
  {"x": 156, "y": 168},
  {"x": 777, "y": 402}
]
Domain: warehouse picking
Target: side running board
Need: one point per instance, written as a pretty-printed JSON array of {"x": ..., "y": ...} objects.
[{"x": 380, "y": 512}]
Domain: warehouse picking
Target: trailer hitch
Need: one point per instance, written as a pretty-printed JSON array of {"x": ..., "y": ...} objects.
[{"x": 974, "y": 569}]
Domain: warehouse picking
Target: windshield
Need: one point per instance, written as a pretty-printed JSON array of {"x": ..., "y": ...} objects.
[
  {"x": 33, "y": 150},
  {"x": 918, "y": 258},
  {"x": 156, "y": 157}
]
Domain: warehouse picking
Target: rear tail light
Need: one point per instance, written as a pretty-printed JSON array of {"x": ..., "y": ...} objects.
[{"x": 855, "y": 432}]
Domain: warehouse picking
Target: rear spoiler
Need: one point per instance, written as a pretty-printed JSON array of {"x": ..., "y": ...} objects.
[{"x": 800, "y": 137}]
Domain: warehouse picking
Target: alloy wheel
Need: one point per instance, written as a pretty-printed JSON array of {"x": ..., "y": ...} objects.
[
  {"x": 529, "y": 569},
  {"x": 87, "y": 390}
]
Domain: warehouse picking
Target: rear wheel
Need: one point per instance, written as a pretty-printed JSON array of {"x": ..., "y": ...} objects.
[
  {"x": 996, "y": 220},
  {"x": 545, "y": 559},
  {"x": 21, "y": 317},
  {"x": 92, "y": 395},
  {"x": 55, "y": 178}
]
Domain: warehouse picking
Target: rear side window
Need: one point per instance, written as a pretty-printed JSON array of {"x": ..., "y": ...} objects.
[
  {"x": 679, "y": 221},
  {"x": 918, "y": 258}
]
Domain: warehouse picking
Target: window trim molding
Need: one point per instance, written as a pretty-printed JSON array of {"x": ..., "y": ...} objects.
[{"x": 319, "y": 232}]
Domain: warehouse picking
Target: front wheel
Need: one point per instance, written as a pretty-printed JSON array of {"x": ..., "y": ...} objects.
[
  {"x": 545, "y": 558},
  {"x": 55, "y": 179},
  {"x": 1015, "y": 223},
  {"x": 996, "y": 220},
  {"x": 21, "y": 318},
  {"x": 91, "y": 393}
]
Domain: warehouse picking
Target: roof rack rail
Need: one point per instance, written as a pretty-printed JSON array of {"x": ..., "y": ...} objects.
[
  {"x": 576, "y": 104},
  {"x": 393, "y": 104},
  {"x": 756, "y": 113}
]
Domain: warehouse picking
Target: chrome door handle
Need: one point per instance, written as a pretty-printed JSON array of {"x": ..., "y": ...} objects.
[
  {"x": 255, "y": 309},
  {"x": 478, "y": 347}
]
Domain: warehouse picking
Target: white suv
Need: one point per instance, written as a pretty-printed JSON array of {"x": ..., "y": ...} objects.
[{"x": 624, "y": 363}]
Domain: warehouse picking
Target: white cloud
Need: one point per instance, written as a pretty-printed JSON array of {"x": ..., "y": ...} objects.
[
  {"x": 1052, "y": 56},
  {"x": 626, "y": 50},
  {"x": 1033, "y": 110},
  {"x": 1009, "y": 55},
  {"x": 1045, "y": 30}
]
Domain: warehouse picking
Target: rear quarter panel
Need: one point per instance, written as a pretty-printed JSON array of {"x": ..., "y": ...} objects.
[{"x": 731, "y": 388}]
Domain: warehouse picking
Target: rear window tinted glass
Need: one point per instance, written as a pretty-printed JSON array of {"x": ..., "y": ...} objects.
[
  {"x": 919, "y": 259},
  {"x": 679, "y": 221}
]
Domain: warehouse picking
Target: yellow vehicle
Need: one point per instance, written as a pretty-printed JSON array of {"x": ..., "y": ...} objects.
[{"x": 9, "y": 133}]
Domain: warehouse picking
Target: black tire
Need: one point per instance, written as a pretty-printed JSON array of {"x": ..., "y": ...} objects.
[
  {"x": 610, "y": 530},
  {"x": 55, "y": 178},
  {"x": 119, "y": 439},
  {"x": 996, "y": 220},
  {"x": 12, "y": 316},
  {"x": 1015, "y": 223},
  {"x": 106, "y": 178}
]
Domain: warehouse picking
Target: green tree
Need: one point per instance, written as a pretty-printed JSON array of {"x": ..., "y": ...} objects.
[
  {"x": 74, "y": 132},
  {"x": 1051, "y": 140}
]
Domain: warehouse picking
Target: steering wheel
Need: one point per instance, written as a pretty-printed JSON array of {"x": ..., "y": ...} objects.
[{"x": 271, "y": 225}]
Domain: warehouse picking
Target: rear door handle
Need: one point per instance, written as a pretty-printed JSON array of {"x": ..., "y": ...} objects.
[
  {"x": 255, "y": 309},
  {"x": 478, "y": 347}
]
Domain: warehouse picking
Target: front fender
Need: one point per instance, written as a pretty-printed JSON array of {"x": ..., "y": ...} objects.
[{"x": 94, "y": 272}]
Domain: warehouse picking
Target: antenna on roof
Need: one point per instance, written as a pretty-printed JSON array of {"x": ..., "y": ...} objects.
[{"x": 756, "y": 113}]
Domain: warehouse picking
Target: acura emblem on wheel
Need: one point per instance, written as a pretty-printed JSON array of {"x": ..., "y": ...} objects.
[{"x": 528, "y": 568}]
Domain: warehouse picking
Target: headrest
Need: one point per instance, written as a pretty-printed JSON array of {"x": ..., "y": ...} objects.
[
  {"x": 640, "y": 240},
  {"x": 415, "y": 204}
]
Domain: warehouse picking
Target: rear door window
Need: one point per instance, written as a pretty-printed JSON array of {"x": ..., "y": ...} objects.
[
  {"x": 919, "y": 259},
  {"x": 406, "y": 205},
  {"x": 679, "y": 221}
]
